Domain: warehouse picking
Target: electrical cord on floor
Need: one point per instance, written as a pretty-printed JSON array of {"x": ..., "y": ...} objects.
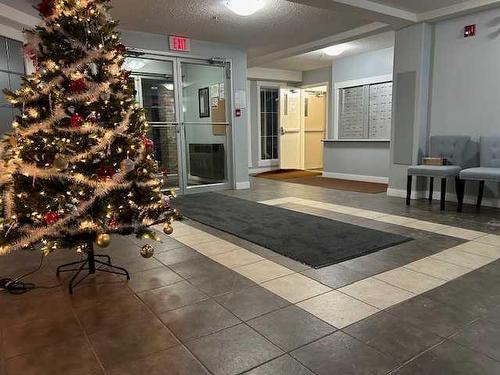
[{"x": 16, "y": 286}]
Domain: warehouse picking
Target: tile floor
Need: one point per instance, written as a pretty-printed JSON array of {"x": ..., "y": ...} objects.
[{"x": 210, "y": 303}]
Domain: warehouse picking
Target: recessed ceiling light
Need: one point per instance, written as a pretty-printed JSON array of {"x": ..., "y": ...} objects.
[
  {"x": 336, "y": 50},
  {"x": 244, "y": 7}
]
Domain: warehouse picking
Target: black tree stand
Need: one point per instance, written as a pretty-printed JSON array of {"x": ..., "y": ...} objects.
[{"x": 89, "y": 264}]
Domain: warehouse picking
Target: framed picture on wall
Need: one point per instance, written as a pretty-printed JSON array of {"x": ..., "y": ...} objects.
[{"x": 204, "y": 102}]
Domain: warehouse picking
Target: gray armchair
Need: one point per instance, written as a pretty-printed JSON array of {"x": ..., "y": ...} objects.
[
  {"x": 453, "y": 148},
  {"x": 489, "y": 169}
]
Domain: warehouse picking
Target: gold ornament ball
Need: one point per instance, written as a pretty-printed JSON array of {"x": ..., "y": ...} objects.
[
  {"x": 147, "y": 251},
  {"x": 60, "y": 162},
  {"x": 103, "y": 240},
  {"x": 168, "y": 229}
]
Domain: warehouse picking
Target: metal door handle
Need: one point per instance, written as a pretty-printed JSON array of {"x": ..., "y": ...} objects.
[{"x": 283, "y": 131}]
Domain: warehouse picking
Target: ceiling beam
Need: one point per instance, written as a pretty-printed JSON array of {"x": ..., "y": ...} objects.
[
  {"x": 344, "y": 37},
  {"x": 16, "y": 16},
  {"x": 458, "y": 10},
  {"x": 367, "y": 9}
]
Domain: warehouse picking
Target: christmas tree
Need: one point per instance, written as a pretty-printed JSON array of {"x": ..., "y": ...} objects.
[{"x": 78, "y": 165}]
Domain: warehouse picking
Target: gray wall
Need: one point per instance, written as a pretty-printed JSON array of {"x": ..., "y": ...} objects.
[
  {"x": 371, "y": 158},
  {"x": 201, "y": 49},
  {"x": 466, "y": 83}
]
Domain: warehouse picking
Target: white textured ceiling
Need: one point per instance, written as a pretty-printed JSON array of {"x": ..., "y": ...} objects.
[
  {"x": 419, "y": 6},
  {"x": 279, "y": 25},
  {"x": 318, "y": 59}
]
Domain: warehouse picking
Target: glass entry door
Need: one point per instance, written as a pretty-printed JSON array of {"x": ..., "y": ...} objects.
[
  {"x": 205, "y": 103},
  {"x": 187, "y": 106}
]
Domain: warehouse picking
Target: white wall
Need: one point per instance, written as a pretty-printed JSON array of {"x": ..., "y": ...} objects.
[{"x": 362, "y": 160}]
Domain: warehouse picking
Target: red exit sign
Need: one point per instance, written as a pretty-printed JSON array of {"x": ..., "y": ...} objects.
[{"x": 179, "y": 43}]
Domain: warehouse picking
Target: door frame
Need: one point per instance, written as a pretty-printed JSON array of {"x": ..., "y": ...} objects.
[
  {"x": 271, "y": 85},
  {"x": 327, "y": 117},
  {"x": 230, "y": 165},
  {"x": 177, "y": 59}
]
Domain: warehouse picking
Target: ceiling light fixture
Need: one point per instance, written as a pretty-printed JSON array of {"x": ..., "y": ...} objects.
[
  {"x": 336, "y": 50},
  {"x": 133, "y": 64},
  {"x": 244, "y": 7}
]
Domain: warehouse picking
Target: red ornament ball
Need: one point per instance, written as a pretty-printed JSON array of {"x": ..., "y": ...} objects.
[
  {"x": 106, "y": 172},
  {"x": 113, "y": 223},
  {"x": 51, "y": 217},
  {"x": 148, "y": 143},
  {"x": 46, "y": 8},
  {"x": 77, "y": 86},
  {"x": 76, "y": 121},
  {"x": 120, "y": 48}
]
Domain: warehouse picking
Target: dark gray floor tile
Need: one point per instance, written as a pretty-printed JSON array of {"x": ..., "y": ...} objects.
[
  {"x": 152, "y": 279},
  {"x": 174, "y": 361},
  {"x": 291, "y": 327},
  {"x": 172, "y": 297},
  {"x": 284, "y": 365},
  {"x": 367, "y": 265},
  {"x": 69, "y": 357},
  {"x": 342, "y": 354},
  {"x": 233, "y": 350},
  {"x": 252, "y": 302},
  {"x": 290, "y": 263},
  {"x": 179, "y": 255},
  {"x": 134, "y": 339},
  {"x": 198, "y": 320},
  {"x": 221, "y": 282},
  {"x": 482, "y": 336},
  {"x": 393, "y": 337},
  {"x": 335, "y": 276},
  {"x": 433, "y": 316},
  {"x": 451, "y": 358},
  {"x": 198, "y": 268}
]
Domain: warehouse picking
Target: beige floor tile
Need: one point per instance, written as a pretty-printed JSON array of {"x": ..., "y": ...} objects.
[
  {"x": 480, "y": 248},
  {"x": 409, "y": 280},
  {"x": 274, "y": 202},
  {"x": 343, "y": 209},
  {"x": 376, "y": 293},
  {"x": 465, "y": 234},
  {"x": 490, "y": 239},
  {"x": 426, "y": 225},
  {"x": 396, "y": 220},
  {"x": 263, "y": 271},
  {"x": 236, "y": 258},
  {"x": 295, "y": 287},
  {"x": 213, "y": 248},
  {"x": 338, "y": 309},
  {"x": 461, "y": 258},
  {"x": 185, "y": 232},
  {"x": 191, "y": 240},
  {"x": 438, "y": 268},
  {"x": 368, "y": 214}
]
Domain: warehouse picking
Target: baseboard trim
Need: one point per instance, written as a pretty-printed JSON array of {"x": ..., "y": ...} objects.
[
  {"x": 356, "y": 177},
  {"x": 255, "y": 170},
  {"x": 243, "y": 185},
  {"x": 450, "y": 197}
]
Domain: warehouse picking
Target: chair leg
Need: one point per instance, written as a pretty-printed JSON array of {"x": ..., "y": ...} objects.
[
  {"x": 408, "y": 190},
  {"x": 431, "y": 189},
  {"x": 460, "y": 188},
  {"x": 443, "y": 194},
  {"x": 480, "y": 195}
]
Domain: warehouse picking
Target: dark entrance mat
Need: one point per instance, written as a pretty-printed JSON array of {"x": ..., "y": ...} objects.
[{"x": 313, "y": 240}]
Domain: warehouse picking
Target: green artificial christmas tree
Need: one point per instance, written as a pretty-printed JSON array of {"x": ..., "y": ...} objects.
[{"x": 78, "y": 165}]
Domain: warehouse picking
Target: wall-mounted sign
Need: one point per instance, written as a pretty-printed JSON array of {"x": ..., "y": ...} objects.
[
  {"x": 469, "y": 31},
  {"x": 179, "y": 43}
]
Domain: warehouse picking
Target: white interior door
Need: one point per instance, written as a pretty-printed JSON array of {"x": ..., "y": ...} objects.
[{"x": 290, "y": 128}]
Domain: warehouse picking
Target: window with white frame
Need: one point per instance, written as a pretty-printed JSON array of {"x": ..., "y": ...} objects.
[
  {"x": 269, "y": 112},
  {"x": 365, "y": 111}
]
